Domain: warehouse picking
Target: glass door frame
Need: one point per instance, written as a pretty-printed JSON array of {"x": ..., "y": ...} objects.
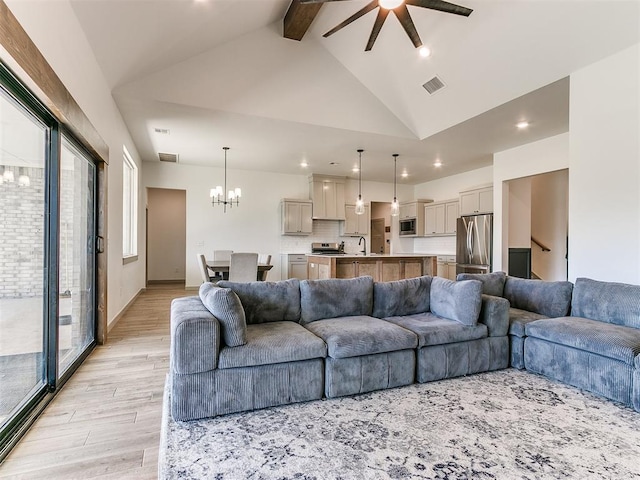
[{"x": 30, "y": 408}]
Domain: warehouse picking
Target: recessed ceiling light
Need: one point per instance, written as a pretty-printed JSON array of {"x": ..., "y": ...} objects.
[
  {"x": 522, "y": 125},
  {"x": 437, "y": 163},
  {"x": 404, "y": 174},
  {"x": 424, "y": 52},
  {"x": 355, "y": 169},
  {"x": 304, "y": 164}
]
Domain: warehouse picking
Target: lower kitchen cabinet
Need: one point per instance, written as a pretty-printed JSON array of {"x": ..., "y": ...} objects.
[
  {"x": 293, "y": 265},
  {"x": 446, "y": 266},
  {"x": 383, "y": 268}
]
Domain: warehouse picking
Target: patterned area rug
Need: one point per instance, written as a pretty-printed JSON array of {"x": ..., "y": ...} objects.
[{"x": 504, "y": 425}]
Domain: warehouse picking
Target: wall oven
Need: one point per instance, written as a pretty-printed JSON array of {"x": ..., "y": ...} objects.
[{"x": 408, "y": 226}]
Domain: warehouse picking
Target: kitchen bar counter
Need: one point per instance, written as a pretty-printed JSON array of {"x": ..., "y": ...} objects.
[{"x": 382, "y": 268}]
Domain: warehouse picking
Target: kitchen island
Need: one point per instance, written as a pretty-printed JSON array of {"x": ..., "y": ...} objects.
[{"x": 382, "y": 268}]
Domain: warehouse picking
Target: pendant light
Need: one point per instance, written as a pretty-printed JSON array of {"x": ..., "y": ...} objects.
[
  {"x": 220, "y": 196},
  {"x": 359, "y": 202},
  {"x": 395, "y": 208}
]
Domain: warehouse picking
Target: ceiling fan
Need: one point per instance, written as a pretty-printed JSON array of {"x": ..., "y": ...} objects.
[{"x": 399, "y": 8}]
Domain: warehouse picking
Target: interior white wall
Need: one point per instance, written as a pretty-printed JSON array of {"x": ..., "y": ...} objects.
[
  {"x": 520, "y": 213},
  {"x": 54, "y": 29},
  {"x": 549, "y": 224},
  {"x": 543, "y": 156},
  {"x": 604, "y": 173},
  {"x": 166, "y": 234},
  {"x": 255, "y": 225}
]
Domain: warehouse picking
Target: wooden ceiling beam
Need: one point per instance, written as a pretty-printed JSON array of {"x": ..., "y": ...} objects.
[{"x": 299, "y": 18}]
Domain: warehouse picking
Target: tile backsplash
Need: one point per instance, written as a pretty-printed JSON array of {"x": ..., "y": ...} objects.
[
  {"x": 323, "y": 231},
  {"x": 435, "y": 245}
]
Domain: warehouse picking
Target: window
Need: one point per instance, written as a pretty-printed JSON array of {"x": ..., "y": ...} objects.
[{"x": 129, "y": 208}]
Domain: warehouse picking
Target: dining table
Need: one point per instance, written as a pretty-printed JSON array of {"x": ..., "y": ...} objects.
[{"x": 222, "y": 266}]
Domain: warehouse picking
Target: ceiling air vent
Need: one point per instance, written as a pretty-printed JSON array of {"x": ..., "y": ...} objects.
[
  {"x": 162, "y": 131},
  {"x": 168, "y": 157},
  {"x": 433, "y": 85}
]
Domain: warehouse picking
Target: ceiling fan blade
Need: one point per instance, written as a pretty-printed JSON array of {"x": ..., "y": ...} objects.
[
  {"x": 405, "y": 20},
  {"x": 441, "y": 6},
  {"x": 364, "y": 10},
  {"x": 377, "y": 26}
]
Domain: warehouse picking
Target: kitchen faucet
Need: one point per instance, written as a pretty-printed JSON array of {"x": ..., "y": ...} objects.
[{"x": 364, "y": 250}]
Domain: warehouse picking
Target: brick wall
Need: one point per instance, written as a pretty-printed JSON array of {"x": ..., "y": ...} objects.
[{"x": 22, "y": 236}]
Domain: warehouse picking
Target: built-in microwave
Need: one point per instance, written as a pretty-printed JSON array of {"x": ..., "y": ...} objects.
[{"x": 408, "y": 226}]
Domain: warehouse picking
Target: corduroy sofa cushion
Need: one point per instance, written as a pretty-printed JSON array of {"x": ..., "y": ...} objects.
[
  {"x": 401, "y": 297},
  {"x": 225, "y": 305},
  {"x": 613, "y": 341},
  {"x": 552, "y": 299},
  {"x": 611, "y": 302},
  {"x": 335, "y": 297},
  {"x": 268, "y": 301},
  {"x": 459, "y": 301},
  {"x": 492, "y": 283}
]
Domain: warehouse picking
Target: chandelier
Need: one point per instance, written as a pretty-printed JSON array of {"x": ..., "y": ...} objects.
[{"x": 218, "y": 196}]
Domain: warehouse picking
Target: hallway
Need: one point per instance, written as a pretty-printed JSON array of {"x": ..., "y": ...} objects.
[{"x": 105, "y": 422}]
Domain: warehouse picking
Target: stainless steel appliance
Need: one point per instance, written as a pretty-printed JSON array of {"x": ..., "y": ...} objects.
[
  {"x": 408, "y": 226},
  {"x": 474, "y": 244},
  {"x": 318, "y": 248}
]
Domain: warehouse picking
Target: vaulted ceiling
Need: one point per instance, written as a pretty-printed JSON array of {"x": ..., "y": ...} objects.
[{"x": 219, "y": 73}]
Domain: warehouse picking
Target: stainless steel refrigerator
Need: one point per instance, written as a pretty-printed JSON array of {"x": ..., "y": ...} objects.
[{"x": 474, "y": 244}]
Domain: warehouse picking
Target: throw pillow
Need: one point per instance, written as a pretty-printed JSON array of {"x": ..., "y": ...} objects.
[
  {"x": 225, "y": 305},
  {"x": 459, "y": 301}
]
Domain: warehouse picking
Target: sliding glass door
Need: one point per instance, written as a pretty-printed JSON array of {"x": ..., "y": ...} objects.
[
  {"x": 23, "y": 293},
  {"x": 47, "y": 257},
  {"x": 76, "y": 318}
]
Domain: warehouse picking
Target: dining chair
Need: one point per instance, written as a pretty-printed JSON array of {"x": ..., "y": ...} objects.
[
  {"x": 204, "y": 269},
  {"x": 264, "y": 259},
  {"x": 243, "y": 267},
  {"x": 224, "y": 256}
]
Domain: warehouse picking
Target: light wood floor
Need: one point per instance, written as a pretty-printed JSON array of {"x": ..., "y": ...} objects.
[{"x": 105, "y": 422}]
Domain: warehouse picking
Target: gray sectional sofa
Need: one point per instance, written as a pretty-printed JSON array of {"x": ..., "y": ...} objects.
[
  {"x": 597, "y": 348},
  {"x": 586, "y": 335},
  {"x": 243, "y": 346},
  {"x": 529, "y": 300}
]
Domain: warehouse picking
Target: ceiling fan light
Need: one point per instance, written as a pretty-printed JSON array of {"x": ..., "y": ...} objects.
[{"x": 390, "y": 4}]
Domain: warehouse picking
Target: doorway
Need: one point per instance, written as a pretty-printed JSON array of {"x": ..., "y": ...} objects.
[
  {"x": 538, "y": 222},
  {"x": 166, "y": 235},
  {"x": 380, "y": 227}
]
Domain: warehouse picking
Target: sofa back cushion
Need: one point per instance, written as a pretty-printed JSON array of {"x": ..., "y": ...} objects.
[
  {"x": 459, "y": 301},
  {"x": 492, "y": 283},
  {"x": 611, "y": 302},
  {"x": 552, "y": 299},
  {"x": 225, "y": 305},
  {"x": 402, "y": 297},
  {"x": 334, "y": 297},
  {"x": 268, "y": 301}
]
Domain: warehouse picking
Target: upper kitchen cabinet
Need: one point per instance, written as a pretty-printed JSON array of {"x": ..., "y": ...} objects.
[
  {"x": 476, "y": 201},
  {"x": 327, "y": 195},
  {"x": 356, "y": 225},
  {"x": 296, "y": 217},
  {"x": 440, "y": 218},
  {"x": 412, "y": 215}
]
